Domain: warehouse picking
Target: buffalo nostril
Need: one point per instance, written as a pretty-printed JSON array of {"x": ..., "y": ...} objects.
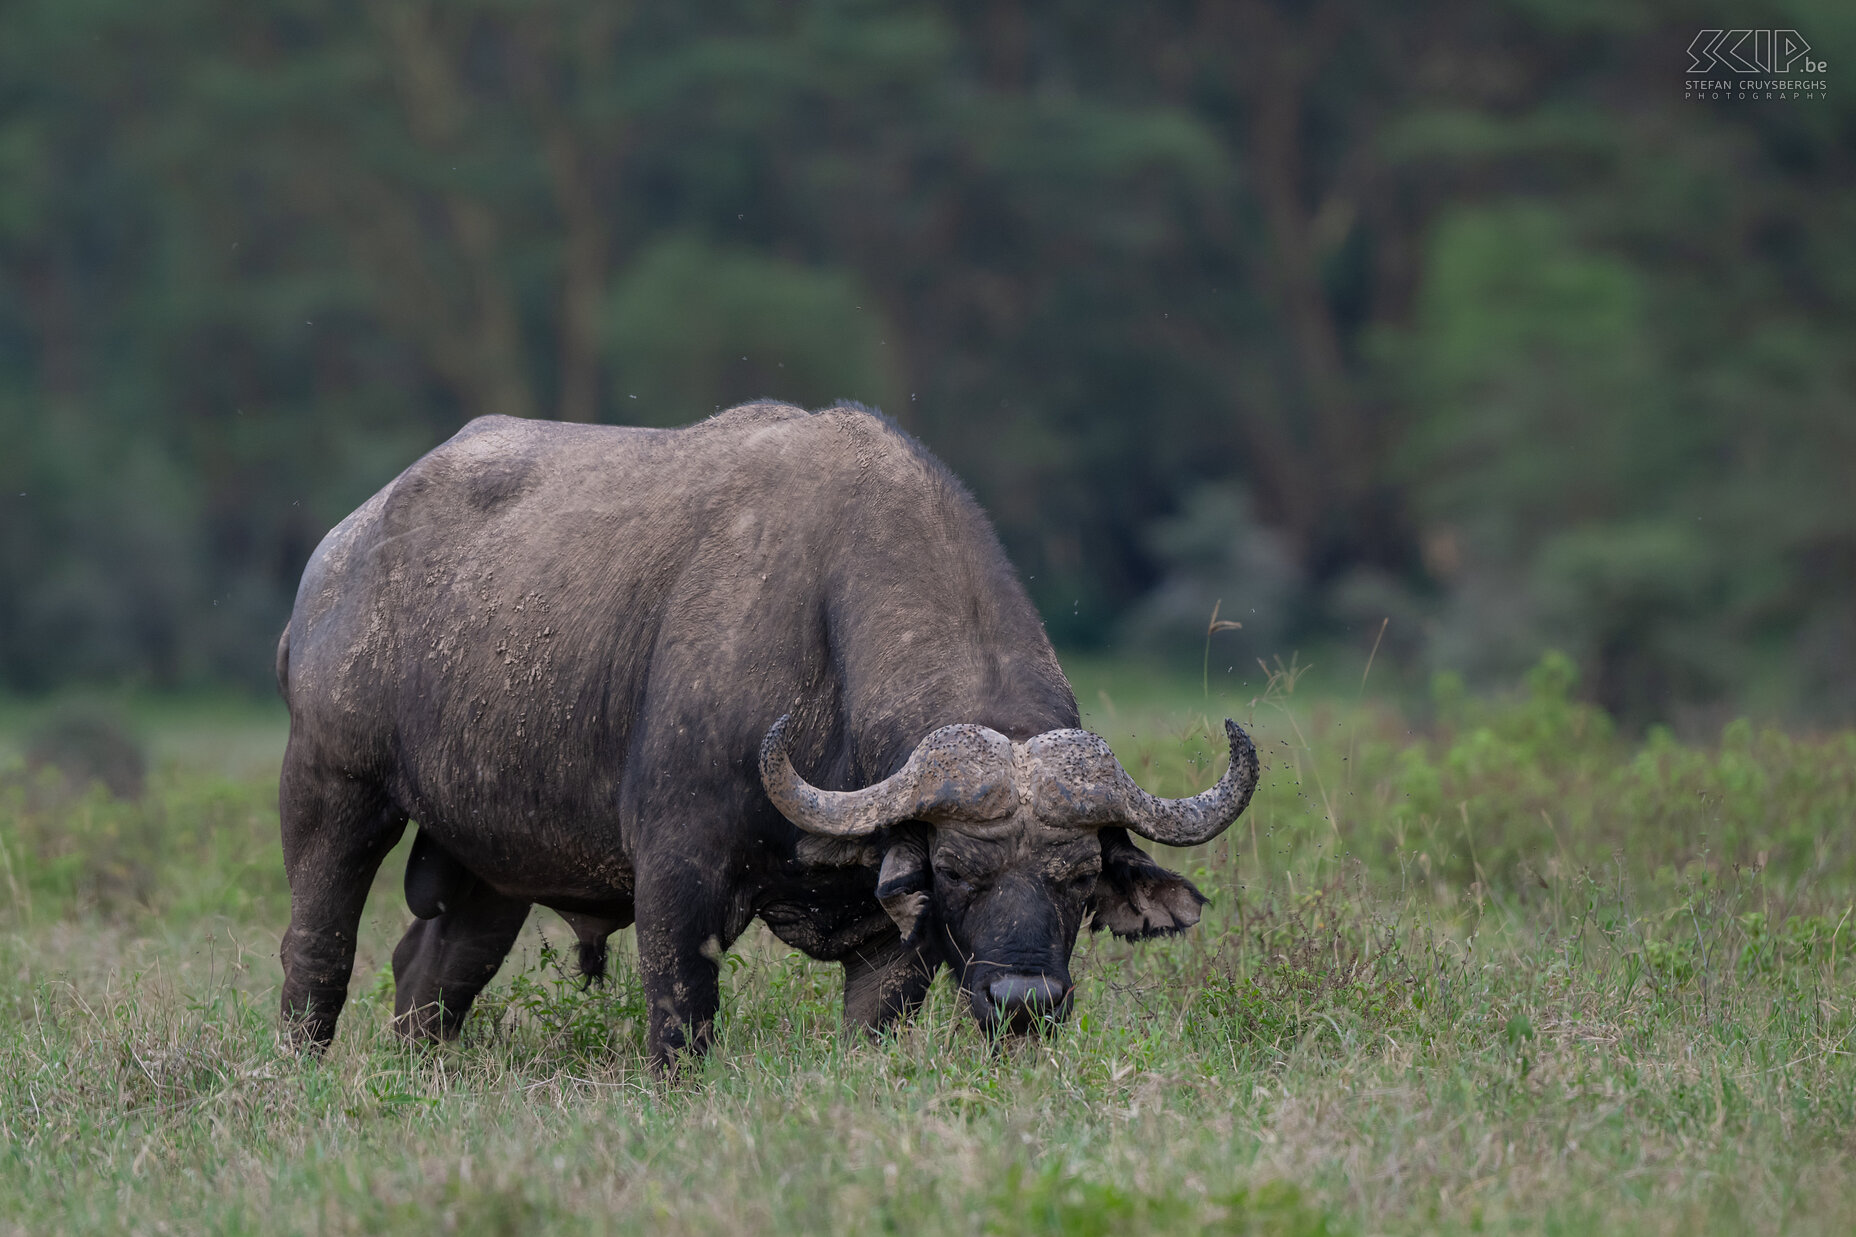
[{"x": 1026, "y": 994}]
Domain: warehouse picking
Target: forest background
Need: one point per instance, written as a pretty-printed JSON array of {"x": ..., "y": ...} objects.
[{"x": 1459, "y": 324}]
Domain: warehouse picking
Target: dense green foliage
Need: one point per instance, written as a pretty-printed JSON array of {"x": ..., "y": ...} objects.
[
  {"x": 1456, "y": 314},
  {"x": 1507, "y": 971}
]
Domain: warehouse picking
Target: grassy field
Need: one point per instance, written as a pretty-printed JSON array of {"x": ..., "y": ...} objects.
[{"x": 1497, "y": 970}]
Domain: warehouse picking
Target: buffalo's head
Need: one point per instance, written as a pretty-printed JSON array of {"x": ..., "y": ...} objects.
[{"x": 1003, "y": 848}]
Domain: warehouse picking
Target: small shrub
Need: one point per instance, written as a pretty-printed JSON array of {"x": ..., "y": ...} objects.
[
  {"x": 88, "y": 746},
  {"x": 561, "y": 1012}
]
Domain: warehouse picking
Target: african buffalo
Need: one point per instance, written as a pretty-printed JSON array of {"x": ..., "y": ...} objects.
[{"x": 773, "y": 664}]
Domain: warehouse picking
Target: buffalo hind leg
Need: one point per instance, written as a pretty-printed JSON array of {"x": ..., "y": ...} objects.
[
  {"x": 885, "y": 982},
  {"x": 442, "y": 963},
  {"x": 336, "y": 830}
]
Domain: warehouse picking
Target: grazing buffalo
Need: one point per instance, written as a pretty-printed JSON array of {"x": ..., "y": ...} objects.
[{"x": 774, "y": 664}]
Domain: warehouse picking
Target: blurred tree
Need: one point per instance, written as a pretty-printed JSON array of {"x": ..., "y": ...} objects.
[
  {"x": 696, "y": 327},
  {"x": 1329, "y": 311}
]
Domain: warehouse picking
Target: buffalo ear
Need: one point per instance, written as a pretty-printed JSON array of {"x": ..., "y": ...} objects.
[
  {"x": 903, "y": 883},
  {"x": 1136, "y": 898}
]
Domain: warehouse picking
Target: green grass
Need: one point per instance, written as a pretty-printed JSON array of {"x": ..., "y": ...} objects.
[{"x": 1505, "y": 972}]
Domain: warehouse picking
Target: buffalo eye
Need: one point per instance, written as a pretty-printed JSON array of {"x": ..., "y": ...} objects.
[
  {"x": 957, "y": 879},
  {"x": 1081, "y": 883}
]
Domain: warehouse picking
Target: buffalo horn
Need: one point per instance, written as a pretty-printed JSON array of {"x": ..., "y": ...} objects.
[
  {"x": 959, "y": 772},
  {"x": 1078, "y": 781}
]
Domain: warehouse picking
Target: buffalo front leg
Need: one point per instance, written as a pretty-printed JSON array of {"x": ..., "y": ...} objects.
[
  {"x": 442, "y": 963},
  {"x": 336, "y": 830},
  {"x": 684, "y": 928},
  {"x": 885, "y": 982}
]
